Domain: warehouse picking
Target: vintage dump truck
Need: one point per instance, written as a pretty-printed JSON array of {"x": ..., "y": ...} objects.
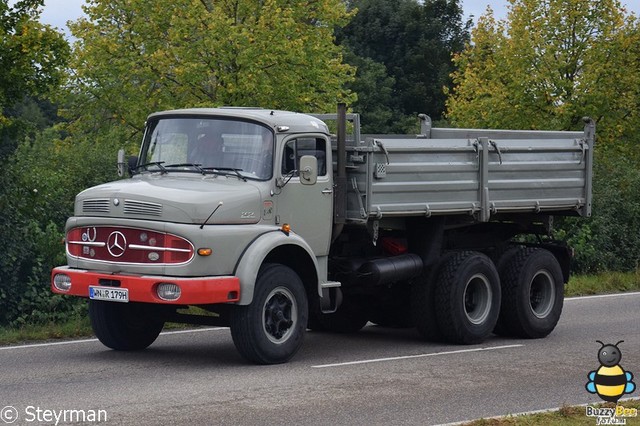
[{"x": 265, "y": 223}]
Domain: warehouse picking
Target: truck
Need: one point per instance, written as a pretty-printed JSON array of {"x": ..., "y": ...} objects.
[{"x": 265, "y": 222}]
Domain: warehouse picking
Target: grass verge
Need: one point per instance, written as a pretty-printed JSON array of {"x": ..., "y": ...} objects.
[
  {"x": 571, "y": 416},
  {"x": 72, "y": 328},
  {"x": 606, "y": 282}
]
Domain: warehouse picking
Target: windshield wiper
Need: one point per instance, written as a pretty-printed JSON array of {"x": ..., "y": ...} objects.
[
  {"x": 221, "y": 170},
  {"x": 153, "y": 163},
  {"x": 195, "y": 166}
]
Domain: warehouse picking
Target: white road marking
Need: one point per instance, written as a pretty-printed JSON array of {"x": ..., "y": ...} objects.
[
  {"x": 72, "y": 342},
  {"x": 601, "y": 296},
  {"x": 396, "y": 358}
]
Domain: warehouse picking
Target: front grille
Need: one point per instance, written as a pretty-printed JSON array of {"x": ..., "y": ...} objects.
[
  {"x": 100, "y": 205},
  {"x": 127, "y": 246},
  {"x": 142, "y": 208}
]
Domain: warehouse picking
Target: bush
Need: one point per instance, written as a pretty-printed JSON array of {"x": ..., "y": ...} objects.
[
  {"x": 610, "y": 239},
  {"x": 39, "y": 184}
]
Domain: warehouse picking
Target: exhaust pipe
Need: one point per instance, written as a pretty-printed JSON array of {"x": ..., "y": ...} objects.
[{"x": 340, "y": 192}]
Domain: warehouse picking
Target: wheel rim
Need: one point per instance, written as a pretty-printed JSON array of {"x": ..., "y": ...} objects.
[
  {"x": 280, "y": 315},
  {"x": 477, "y": 299},
  {"x": 541, "y": 294}
]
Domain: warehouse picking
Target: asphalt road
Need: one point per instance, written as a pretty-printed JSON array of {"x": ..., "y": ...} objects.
[{"x": 379, "y": 376}]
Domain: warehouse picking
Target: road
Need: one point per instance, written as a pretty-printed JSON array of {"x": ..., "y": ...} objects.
[{"x": 379, "y": 376}]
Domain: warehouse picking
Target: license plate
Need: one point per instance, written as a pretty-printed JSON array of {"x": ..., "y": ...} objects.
[{"x": 108, "y": 293}]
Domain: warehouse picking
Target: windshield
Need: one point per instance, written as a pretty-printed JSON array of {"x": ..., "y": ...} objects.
[{"x": 201, "y": 145}]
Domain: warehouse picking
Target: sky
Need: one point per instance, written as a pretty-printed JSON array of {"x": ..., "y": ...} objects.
[{"x": 57, "y": 12}]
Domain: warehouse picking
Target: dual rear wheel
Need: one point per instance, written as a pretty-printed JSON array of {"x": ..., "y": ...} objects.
[{"x": 467, "y": 297}]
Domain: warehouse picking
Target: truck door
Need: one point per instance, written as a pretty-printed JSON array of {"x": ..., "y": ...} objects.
[{"x": 307, "y": 208}]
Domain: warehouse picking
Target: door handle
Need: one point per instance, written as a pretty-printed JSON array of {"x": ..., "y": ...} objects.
[{"x": 327, "y": 191}]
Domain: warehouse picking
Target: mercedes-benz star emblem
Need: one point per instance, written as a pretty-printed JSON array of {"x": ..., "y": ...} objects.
[{"x": 116, "y": 244}]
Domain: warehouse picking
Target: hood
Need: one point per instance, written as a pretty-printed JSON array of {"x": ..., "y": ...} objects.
[{"x": 174, "y": 198}]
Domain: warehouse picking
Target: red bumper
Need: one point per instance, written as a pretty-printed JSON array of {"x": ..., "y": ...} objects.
[{"x": 142, "y": 288}]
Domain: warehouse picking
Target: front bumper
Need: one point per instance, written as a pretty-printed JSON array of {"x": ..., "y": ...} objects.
[{"x": 142, "y": 288}]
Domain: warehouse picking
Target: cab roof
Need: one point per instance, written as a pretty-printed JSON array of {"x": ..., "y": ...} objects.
[{"x": 275, "y": 119}]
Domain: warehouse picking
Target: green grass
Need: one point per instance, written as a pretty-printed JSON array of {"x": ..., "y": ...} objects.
[
  {"x": 72, "y": 328},
  {"x": 606, "y": 282},
  {"x": 565, "y": 416},
  {"x": 75, "y": 327}
]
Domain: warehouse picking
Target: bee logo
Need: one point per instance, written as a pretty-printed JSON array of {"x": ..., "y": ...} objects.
[{"x": 610, "y": 381}]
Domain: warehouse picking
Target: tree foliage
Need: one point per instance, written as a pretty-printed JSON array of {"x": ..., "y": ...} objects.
[
  {"x": 414, "y": 41},
  {"x": 548, "y": 65},
  {"x": 32, "y": 60},
  {"x": 133, "y": 57}
]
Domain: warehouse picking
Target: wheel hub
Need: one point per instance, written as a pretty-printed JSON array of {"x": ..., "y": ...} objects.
[
  {"x": 477, "y": 299},
  {"x": 279, "y": 315},
  {"x": 542, "y": 295}
]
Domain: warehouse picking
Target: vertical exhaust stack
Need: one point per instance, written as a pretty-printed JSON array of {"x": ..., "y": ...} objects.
[{"x": 340, "y": 192}]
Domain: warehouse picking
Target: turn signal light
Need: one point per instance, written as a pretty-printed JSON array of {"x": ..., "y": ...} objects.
[
  {"x": 205, "y": 251},
  {"x": 286, "y": 228}
]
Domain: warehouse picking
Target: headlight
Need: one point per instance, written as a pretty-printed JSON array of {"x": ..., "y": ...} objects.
[{"x": 62, "y": 282}]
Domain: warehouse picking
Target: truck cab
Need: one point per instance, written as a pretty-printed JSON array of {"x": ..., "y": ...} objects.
[{"x": 215, "y": 195}]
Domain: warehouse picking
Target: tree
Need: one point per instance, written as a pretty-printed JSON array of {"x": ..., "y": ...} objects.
[
  {"x": 414, "y": 42},
  {"x": 133, "y": 57},
  {"x": 32, "y": 61},
  {"x": 548, "y": 65}
]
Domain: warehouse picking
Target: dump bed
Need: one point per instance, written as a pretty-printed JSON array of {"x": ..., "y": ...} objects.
[{"x": 472, "y": 172}]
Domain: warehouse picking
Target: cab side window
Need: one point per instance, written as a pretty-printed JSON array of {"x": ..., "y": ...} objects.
[{"x": 296, "y": 148}]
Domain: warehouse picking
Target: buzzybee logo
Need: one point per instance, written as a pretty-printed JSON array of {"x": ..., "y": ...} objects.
[{"x": 610, "y": 381}]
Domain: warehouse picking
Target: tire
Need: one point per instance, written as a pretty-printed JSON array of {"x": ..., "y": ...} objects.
[
  {"x": 467, "y": 298},
  {"x": 348, "y": 318},
  {"x": 271, "y": 329},
  {"x": 532, "y": 294},
  {"x": 124, "y": 326},
  {"x": 423, "y": 306},
  {"x": 504, "y": 258}
]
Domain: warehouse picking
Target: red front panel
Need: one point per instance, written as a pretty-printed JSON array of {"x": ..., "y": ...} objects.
[{"x": 194, "y": 291}]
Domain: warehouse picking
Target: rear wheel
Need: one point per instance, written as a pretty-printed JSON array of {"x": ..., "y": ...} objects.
[
  {"x": 271, "y": 329},
  {"x": 533, "y": 294},
  {"x": 124, "y": 326},
  {"x": 467, "y": 298},
  {"x": 423, "y": 305}
]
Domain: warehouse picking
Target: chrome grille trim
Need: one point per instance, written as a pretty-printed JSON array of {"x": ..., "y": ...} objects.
[
  {"x": 142, "y": 208},
  {"x": 98, "y": 205}
]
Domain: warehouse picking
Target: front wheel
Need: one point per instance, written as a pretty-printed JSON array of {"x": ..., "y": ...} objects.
[
  {"x": 124, "y": 326},
  {"x": 271, "y": 329}
]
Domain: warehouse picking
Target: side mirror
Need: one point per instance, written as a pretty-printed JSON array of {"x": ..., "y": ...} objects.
[
  {"x": 132, "y": 163},
  {"x": 121, "y": 162},
  {"x": 308, "y": 170}
]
